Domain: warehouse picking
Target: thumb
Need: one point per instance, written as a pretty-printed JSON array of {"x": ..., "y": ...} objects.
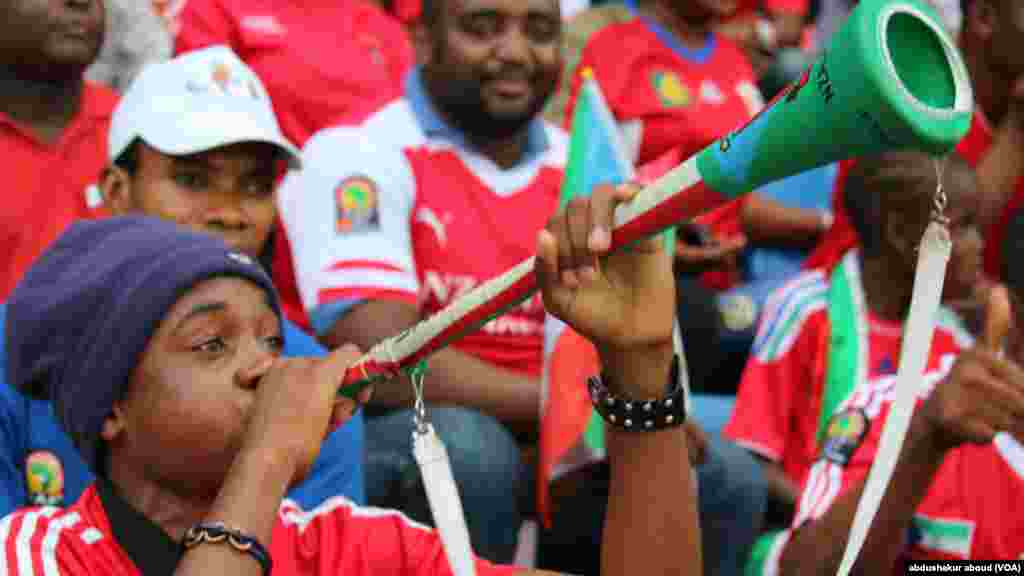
[
  {"x": 339, "y": 361},
  {"x": 997, "y": 318}
]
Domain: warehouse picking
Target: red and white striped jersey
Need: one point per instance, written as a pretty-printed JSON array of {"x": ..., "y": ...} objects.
[
  {"x": 401, "y": 208},
  {"x": 337, "y": 537}
]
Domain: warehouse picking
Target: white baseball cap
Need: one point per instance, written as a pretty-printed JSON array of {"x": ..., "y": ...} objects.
[{"x": 196, "y": 102}]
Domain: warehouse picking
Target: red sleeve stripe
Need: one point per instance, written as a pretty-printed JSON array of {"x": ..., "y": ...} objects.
[
  {"x": 23, "y": 542},
  {"x": 359, "y": 293},
  {"x": 48, "y": 549},
  {"x": 366, "y": 265}
]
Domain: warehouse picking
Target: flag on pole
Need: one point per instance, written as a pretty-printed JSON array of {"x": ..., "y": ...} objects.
[{"x": 572, "y": 434}]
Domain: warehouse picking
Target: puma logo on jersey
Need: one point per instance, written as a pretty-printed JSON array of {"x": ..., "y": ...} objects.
[
  {"x": 437, "y": 225},
  {"x": 711, "y": 93}
]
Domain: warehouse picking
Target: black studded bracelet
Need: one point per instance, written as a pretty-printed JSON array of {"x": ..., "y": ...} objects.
[
  {"x": 641, "y": 415},
  {"x": 219, "y": 533}
]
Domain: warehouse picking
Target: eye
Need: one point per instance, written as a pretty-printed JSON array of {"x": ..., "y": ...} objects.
[
  {"x": 214, "y": 345},
  {"x": 190, "y": 179},
  {"x": 542, "y": 29},
  {"x": 275, "y": 343},
  {"x": 259, "y": 188},
  {"x": 482, "y": 25}
]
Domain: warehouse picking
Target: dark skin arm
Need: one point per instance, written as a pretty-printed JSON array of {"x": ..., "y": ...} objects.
[
  {"x": 453, "y": 378},
  {"x": 780, "y": 487},
  {"x": 982, "y": 395},
  {"x": 766, "y": 221},
  {"x": 817, "y": 548}
]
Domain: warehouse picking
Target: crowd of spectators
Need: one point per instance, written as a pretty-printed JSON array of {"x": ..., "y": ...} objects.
[{"x": 311, "y": 178}]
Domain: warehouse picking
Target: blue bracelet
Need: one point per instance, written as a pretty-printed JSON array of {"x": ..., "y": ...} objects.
[{"x": 218, "y": 533}]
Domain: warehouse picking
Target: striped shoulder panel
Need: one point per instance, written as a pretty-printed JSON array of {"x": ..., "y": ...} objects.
[
  {"x": 577, "y": 33},
  {"x": 786, "y": 311},
  {"x": 951, "y": 322}
]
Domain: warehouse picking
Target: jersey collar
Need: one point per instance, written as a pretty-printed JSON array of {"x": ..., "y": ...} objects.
[
  {"x": 146, "y": 544},
  {"x": 698, "y": 56},
  {"x": 435, "y": 127}
]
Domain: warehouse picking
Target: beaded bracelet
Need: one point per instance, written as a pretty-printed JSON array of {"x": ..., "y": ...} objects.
[
  {"x": 218, "y": 533},
  {"x": 641, "y": 415}
]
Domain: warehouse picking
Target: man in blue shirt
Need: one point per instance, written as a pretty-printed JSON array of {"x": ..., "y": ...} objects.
[{"x": 194, "y": 140}]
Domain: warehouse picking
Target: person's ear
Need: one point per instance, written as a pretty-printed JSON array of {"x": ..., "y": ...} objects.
[
  {"x": 901, "y": 234},
  {"x": 116, "y": 189},
  {"x": 113, "y": 424}
]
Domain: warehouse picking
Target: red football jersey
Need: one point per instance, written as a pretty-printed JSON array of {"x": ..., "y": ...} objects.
[
  {"x": 778, "y": 406},
  {"x": 323, "y": 64},
  {"x": 337, "y": 537},
  {"x": 664, "y": 95},
  {"x": 44, "y": 200},
  {"x": 399, "y": 208}
]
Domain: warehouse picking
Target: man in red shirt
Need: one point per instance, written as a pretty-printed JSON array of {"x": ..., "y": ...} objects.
[
  {"x": 790, "y": 381},
  {"x": 53, "y": 125},
  {"x": 963, "y": 443},
  {"x": 191, "y": 419}
]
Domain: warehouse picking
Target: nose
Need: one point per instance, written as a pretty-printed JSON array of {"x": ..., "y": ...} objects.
[
  {"x": 514, "y": 46},
  {"x": 259, "y": 363}
]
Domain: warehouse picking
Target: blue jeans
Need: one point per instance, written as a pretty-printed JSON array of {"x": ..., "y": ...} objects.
[{"x": 485, "y": 459}]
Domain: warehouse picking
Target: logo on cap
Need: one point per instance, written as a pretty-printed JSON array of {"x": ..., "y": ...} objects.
[
  {"x": 845, "y": 433},
  {"x": 44, "y": 479},
  {"x": 356, "y": 201},
  {"x": 224, "y": 81}
]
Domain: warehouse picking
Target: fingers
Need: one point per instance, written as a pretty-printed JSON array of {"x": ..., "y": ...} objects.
[
  {"x": 997, "y": 318},
  {"x": 711, "y": 254},
  {"x": 583, "y": 262},
  {"x": 337, "y": 363}
]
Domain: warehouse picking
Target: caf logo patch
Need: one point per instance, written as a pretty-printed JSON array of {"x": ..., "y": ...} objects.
[
  {"x": 670, "y": 89},
  {"x": 44, "y": 479},
  {"x": 356, "y": 202},
  {"x": 845, "y": 433},
  {"x": 738, "y": 312}
]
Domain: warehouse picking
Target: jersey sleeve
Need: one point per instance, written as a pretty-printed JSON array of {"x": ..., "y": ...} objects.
[
  {"x": 50, "y": 541},
  {"x": 781, "y": 370},
  {"x": 203, "y": 23},
  {"x": 341, "y": 538},
  {"x": 12, "y": 449},
  {"x": 346, "y": 214}
]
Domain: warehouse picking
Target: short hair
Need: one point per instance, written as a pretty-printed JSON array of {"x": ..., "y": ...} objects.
[
  {"x": 128, "y": 160},
  {"x": 895, "y": 181}
]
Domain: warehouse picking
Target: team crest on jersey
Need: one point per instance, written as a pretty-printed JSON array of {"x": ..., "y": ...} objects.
[
  {"x": 670, "y": 89},
  {"x": 44, "y": 479},
  {"x": 356, "y": 203},
  {"x": 845, "y": 433}
]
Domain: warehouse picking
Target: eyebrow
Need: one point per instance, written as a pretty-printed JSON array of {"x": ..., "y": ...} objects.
[{"x": 202, "y": 309}]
